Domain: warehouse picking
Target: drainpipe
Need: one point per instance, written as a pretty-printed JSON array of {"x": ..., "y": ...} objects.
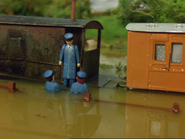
[{"x": 73, "y": 9}]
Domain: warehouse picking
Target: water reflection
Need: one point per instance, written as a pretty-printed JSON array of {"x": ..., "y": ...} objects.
[
  {"x": 36, "y": 113},
  {"x": 153, "y": 123}
]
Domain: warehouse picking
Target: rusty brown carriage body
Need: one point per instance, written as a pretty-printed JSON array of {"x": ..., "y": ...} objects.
[{"x": 30, "y": 45}]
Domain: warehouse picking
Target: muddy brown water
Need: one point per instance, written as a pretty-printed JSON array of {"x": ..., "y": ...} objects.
[{"x": 37, "y": 114}]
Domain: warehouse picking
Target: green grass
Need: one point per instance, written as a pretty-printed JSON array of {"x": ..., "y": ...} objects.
[
  {"x": 114, "y": 52},
  {"x": 113, "y": 33}
]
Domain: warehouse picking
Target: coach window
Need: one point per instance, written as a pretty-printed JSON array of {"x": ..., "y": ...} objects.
[
  {"x": 177, "y": 52},
  {"x": 160, "y": 52}
]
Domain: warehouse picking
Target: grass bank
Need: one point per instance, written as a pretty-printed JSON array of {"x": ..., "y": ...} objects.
[{"x": 114, "y": 33}]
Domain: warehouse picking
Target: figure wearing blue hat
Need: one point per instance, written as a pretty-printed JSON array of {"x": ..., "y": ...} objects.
[
  {"x": 79, "y": 87},
  {"x": 70, "y": 55},
  {"x": 51, "y": 85}
]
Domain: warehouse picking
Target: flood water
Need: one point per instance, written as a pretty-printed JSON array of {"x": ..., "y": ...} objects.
[{"x": 111, "y": 113}]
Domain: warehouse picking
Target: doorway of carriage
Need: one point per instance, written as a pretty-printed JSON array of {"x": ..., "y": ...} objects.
[{"x": 167, "y": 63}]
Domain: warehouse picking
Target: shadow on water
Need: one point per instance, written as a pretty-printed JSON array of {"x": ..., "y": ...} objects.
[{"x": 38, "y": 114}]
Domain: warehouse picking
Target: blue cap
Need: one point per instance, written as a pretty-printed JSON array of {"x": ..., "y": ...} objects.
[
  {"x": 68, "y": 36},
  {"x": 81, "y": 74},
  {"x": 48, "y": 73}
]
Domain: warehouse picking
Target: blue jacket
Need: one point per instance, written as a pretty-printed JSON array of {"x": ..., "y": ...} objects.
[
  {"x": 71, "y": 58},
  {"x": 79, "y": 88},
  {"x": 53, "y": 87}
]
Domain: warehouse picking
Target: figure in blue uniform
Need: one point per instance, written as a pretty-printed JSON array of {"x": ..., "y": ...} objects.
[
  {"x": 79, "y": 87},
  {"x": 70, "y": 55},
  {"x": 51, "y": 85}
]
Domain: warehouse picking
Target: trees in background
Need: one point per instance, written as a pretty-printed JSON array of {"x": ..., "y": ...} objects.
[
  {"x": 62, "y": 8},
  {"x": 48, "y": 8},
  {"x": 161, "y": 11},
  {"x": 23, "y": 7},
  {"x": 152, "y": 11}
]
